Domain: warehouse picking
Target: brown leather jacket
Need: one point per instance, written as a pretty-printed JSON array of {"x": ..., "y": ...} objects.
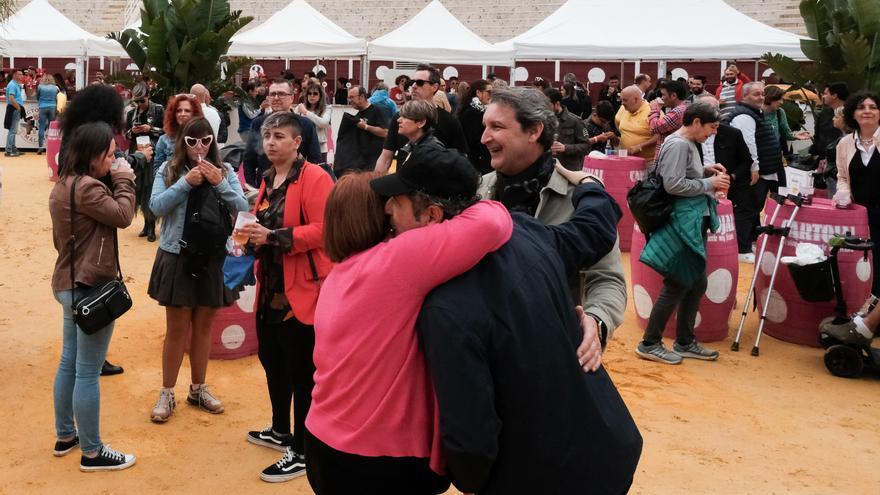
[{"x": 98, "y": 213}]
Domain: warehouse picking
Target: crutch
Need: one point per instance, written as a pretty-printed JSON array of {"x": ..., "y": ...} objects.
[
  {"x": 780, "y": 200},
  {"x": 783, "y": 233}
]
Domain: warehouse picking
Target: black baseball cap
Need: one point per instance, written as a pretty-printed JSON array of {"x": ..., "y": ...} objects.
[{"x": 433, "y": 170}]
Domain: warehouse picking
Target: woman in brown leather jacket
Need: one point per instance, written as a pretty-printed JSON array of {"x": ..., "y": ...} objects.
[{"x": 98, "y": 213}]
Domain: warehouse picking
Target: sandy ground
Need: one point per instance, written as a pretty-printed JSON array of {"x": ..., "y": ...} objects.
[{"x": 779, "y": 423}]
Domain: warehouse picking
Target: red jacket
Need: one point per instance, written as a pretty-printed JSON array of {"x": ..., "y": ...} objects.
[
  {"x": 308, "y": 194},
  {"x": 741, "y": 79}
]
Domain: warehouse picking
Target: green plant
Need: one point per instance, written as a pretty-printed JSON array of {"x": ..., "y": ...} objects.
[
  {"x": 843, "y": 44},
  {"x": 181, "y": 43}
]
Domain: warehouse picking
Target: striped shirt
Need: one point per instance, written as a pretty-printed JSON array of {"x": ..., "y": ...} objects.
[{"x": 728, "y": 98}]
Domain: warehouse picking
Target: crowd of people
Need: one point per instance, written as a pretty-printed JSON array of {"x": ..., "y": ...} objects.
[{"x": 458, "y": 226}]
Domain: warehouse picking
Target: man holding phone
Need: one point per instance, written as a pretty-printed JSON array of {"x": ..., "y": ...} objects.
[{"x": 143, "y": 127}]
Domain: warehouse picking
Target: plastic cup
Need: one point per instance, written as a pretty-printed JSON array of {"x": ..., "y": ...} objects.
[
  {"x": 622, "y": 153},
  {"x": 243, "y": 219},
  {"x": 142, "y": 142}
]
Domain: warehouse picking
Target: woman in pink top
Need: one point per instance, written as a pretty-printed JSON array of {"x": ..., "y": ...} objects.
[{"x": 372, "y": 426}]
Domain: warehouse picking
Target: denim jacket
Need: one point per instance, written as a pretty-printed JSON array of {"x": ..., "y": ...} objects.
[{"x": 170, "y": 203}]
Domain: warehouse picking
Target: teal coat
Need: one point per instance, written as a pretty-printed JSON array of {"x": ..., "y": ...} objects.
[{"x": 677, "y": 250}]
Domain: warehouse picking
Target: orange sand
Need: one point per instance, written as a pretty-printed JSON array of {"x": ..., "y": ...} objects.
[{"x": 779, "y": 423}]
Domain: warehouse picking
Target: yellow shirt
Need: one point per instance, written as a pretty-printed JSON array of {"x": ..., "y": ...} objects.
[{"x": 634, "y": 129}]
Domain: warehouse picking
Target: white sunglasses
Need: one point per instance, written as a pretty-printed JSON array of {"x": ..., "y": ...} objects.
[{"x": 204, "y": 141}]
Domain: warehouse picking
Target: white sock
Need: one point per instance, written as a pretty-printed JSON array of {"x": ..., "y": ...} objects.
[{"x": 862, "y": 328}]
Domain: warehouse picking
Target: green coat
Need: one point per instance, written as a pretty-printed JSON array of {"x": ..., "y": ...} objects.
[{"x": 678, "y": 250}]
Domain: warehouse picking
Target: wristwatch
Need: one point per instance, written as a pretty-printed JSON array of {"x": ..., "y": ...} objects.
[
  {"x": 271, "y": 238},
  {"x": 603, "y": 329}
]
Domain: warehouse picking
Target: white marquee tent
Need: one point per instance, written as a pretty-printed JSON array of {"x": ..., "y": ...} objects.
[
  {"x": 297, "y": 31},
  {"x": 662, "y": 30},
  {"x": 39, "y": 30},
  {"x": 434, "y": 35}
]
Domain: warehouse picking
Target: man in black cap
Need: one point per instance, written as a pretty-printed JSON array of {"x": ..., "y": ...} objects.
[
  {"x": 503, "y": 361},
  {"x": 146, "y": 119}
]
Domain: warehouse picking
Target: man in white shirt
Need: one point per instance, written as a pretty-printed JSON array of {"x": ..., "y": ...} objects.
[{"x": 211, "y": 113}]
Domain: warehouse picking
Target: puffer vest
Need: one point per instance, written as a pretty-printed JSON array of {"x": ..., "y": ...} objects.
[{"x": 766, "y": 139}]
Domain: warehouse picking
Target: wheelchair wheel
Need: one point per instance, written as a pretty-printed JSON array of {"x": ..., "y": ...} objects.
[{"x": 844, "y": 361}]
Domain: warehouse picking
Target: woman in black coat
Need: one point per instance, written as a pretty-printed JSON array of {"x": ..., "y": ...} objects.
[{"x": 470, "y": 115}]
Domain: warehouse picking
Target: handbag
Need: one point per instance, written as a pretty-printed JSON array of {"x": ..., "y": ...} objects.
[
  {"x": 103, "y": 304},
  {"x": 649, "y": 202}
]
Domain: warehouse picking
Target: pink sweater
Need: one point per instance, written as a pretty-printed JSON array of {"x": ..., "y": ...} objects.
[{"x": 372, "y": 394}]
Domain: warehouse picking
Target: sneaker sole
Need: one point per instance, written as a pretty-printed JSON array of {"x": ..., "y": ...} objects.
[
  {"x": 195, "y": 402},
  {"x": 264, "y": 443},
  {"x": 281, "y": 478},
  {"x": 689, "y": 355},
  {"x": 62, "y": 453},
  {"x": 119, "y": 467},
  {"x": 651, "y": 357}
]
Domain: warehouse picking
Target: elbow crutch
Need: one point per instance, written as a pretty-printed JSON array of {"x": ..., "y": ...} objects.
[
  {"x": 780, "y": 200},
  {"x": 783, "y": 233}
]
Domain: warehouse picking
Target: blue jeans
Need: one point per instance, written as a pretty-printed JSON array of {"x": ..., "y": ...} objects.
[
  {"x": 13, "y": 131},
  {"x": 77, "y": 394},
  {"x": 46, "y": 115}
]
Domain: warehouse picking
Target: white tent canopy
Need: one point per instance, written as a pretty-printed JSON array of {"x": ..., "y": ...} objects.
[
  {"x": 39, "y": 30},
  {"x": 434, "y": 35},
  {"x": 675, "y": 29},
  {"x": 297, "y": 31}
]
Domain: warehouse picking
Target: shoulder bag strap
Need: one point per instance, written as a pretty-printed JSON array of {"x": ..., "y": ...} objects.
[{"x": 72, "y": 242}]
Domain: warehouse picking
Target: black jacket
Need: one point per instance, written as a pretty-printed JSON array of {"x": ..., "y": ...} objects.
[
  {"x": 825, "y": 134},
  {"x": 732, "y": 152},
  {"x": 573, "y": 134},
  {"x": 255, "y": 161},
  {"x": 472, "y": 124},
  {"x": 517, "y": 413}
]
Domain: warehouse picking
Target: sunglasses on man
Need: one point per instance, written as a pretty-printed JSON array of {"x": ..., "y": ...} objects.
[
  {"x": 420, "y": 82},
  {"x": 191, "y": 142}
]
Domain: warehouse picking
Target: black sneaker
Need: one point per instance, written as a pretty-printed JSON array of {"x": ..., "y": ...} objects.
[
  {"x": 63, "y": 447},
  {"x": 106, "y": 460},
  {"x": 268, "y": 438},
  {"x": 291, "y": 466}
]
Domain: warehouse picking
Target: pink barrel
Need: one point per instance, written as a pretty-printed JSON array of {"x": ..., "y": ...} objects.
[
  {"x": 234, "y": 332},
  {"x": 722, "y": 269},
  {"x": 619, "y": 175},
  {"x": 53, "y": 147},
  {"x": 789, "y": 317}
]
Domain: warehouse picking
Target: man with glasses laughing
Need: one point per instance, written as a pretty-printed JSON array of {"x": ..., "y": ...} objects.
[
  {"x": 280, "y": 98},
  {"x": 425, "y": 82}
]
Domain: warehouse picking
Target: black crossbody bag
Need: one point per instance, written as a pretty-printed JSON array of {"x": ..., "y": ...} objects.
[
  {"x": 649, "y": 202},
  {"x": 102, "y": 304}
]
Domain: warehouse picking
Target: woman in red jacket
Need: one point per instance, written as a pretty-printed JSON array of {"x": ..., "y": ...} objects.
[{"x": 291, "y": 266}]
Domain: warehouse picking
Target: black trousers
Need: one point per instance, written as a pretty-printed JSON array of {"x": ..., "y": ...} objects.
[
  {"x": 744, "y": 215},
  {"x": 332, "y": 472},
  {"x": 285, "y": 350},
  {"x": 672, "y": 295}
]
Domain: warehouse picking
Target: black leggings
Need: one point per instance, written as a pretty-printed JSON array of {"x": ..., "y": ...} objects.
[
  {"x": 332, "y": 472},
  {"x": 285, "y": 351}
]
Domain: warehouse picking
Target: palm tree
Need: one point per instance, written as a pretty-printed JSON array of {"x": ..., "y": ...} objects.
[{"x": 7, "y": 7}]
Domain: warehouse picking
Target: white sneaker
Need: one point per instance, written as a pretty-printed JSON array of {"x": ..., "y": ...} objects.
[{"x": 747, "y": 258}]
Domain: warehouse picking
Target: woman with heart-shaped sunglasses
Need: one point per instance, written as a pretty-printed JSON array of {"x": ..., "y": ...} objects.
[{"x": 196, "y": 196}]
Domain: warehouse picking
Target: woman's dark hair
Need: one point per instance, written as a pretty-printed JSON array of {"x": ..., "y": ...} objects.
[
  {"x": 95, "y": 103},
  {"x": 354, "y": 218},
  {"x": 706, "y": 112},
  {"x": 196, "y": 127},
  {"x": 402, "y": 77},
  {"x": 472, "y": 88},
  {"x": 849, "y": 110},
  {"x": 59, "y": 81},
  {"x": 87, "y": 142},
  {"x": 322, "y": 99},
  {"x": 772, "y": 93}
]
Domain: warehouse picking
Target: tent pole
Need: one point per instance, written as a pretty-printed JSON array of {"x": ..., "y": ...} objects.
[
  {"x": 620, "y": 81},
  {"x": 485, "y": 72},
  {"x": 350, "y": 68},
  {"x": 556, "y": 70},
  {"x": 512, "y": 75},
  {"x": 723, "y": 66},
  {"x": 365, "y": 71},
  {"x": 637, "y": 69},
  {"x": 757, "y": 78}
]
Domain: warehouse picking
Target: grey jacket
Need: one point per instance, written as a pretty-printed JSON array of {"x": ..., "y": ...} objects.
[{"x": 603, "y": 285}]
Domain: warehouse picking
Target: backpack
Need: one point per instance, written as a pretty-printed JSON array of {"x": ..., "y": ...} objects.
[{"x": 206, "y": 227}]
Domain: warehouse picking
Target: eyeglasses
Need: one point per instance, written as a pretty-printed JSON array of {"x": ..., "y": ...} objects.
[
  {"x": 204, "y": 141},
  {"x": 278, "y": 94},
  {"x": 187, "y": 95}
]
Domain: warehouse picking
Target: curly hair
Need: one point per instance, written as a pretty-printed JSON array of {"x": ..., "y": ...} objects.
[
  {"x": 849, "y": 110},
  {"x": 170, "y": 124},
  {"x": 96, "y": 103}
]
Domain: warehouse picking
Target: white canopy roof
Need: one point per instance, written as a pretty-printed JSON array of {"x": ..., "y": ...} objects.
[
  {"x": 298, "y": 31},
  {"x": 636, "y": 29},
  {"x": 39, "y": 30},
  {"x": 434, "y": 35}
]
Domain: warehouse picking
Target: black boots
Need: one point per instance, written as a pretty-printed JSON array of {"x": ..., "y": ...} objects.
[{"x": 149, "y": 231}]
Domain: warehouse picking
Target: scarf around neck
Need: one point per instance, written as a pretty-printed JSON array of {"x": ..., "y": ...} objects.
[{"x": 522, "y": 192}]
